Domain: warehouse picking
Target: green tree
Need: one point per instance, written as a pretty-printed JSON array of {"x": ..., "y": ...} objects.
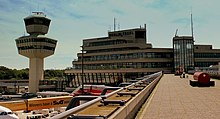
[
  {"x": 6, "y": 73},
  {"x": 51, "y": 74},
  {"x": 23, "y": 74}
]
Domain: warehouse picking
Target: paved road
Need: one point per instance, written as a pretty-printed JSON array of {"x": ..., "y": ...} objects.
[{"x": 174, "y": 98}]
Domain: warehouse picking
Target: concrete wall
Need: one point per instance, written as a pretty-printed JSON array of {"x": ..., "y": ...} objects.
[{"x": 131, "y": 108}]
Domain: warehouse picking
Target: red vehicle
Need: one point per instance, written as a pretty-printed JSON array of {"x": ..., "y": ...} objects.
[{"x": 95, "y": 90}]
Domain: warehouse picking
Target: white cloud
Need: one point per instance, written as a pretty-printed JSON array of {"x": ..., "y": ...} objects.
[{"x": 75, "y": 20}]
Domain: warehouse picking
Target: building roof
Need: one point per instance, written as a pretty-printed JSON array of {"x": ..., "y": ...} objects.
[
  {"x": 37, "y": 14},
  {"x": 175, "y": 98}
]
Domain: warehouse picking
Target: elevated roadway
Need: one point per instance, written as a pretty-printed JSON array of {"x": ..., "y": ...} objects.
[
  {"x": 123, "y": 103},
  {"x": 174, "y": 98}
]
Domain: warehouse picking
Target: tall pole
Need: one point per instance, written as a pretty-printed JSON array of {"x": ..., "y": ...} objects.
[
  {"x": 114, "y": 23},
  {"x": 192, "y": 37},
  {"x": 192, "y": 26},
  {"x": 82, "y": 69}
]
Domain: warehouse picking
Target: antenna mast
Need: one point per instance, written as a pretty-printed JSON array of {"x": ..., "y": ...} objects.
[
  {"x": 114, "y": 23},
  {"x": 192, "y": 25},
  {"x": 176, "y": 32}
]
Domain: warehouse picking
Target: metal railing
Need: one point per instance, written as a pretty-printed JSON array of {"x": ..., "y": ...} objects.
[{"x": 74, "y": 110}]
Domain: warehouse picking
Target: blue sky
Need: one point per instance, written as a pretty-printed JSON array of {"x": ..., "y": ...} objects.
[{"x": 74, "y": 20}]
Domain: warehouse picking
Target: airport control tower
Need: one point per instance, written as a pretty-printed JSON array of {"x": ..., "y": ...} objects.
[{"x": 36, "y": 47}]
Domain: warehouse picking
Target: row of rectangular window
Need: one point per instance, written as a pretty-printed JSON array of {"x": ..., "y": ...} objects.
[
  {"x": 36, "y": 40},
  {"x": 207, "y": 55},
  {"x": 107, "y": 43},
  {"x": 125, "y": 65},
  {"x": 120, "y": 33},
  {"x": 127, "y": 56},
  {"x": 38, "y": 21},
  {"x": 112, "y": 50},
  {"x": 36, "y": 47},
  {"x": 205, "y": 64}
]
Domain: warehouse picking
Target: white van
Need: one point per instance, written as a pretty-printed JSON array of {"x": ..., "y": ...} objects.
[{"x": 6, "y": 113}]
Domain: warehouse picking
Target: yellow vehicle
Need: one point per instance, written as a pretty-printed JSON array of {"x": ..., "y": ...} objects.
[{"x": 37, "y": 103}]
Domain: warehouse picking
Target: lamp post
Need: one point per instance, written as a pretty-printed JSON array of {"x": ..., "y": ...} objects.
[
  {"x": 15, "y": 87},
  {"x": 82, "y": 67}
]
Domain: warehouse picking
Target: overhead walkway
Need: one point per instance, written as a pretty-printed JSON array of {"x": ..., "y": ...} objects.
[{"x": 174, "y": 98}]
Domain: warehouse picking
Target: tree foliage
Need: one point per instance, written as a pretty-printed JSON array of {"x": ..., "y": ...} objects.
[
  {"x": 52, "y": 74},
  {"x": 6, "y": 73}
]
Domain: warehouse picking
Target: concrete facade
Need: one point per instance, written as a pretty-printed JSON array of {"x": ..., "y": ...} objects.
[
  {"x": 36, "y": 47},
  {"x": 127, "y": 52}
]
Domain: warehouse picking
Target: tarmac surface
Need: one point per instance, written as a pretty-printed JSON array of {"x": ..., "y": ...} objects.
[{"x": 174, "y": 98}]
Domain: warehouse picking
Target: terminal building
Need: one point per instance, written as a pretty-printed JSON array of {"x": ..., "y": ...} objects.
[{"x": 127, "y": 54}]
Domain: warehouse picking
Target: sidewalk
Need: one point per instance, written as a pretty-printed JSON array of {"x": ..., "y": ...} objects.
[{"x": 174, "y": 98}]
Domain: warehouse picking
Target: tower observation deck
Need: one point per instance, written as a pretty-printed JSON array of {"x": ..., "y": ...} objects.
[{"x": 36, "y": 47}]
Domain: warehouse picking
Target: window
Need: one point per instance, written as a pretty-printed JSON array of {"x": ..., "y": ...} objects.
[
  {"x": 38, "y": 21},
  {"x": 140, "y": 34},
  {"x": 3, "y": 113}
]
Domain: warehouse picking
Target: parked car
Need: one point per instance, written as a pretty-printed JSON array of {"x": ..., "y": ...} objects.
[
  {"x": 4, "y": 97},
  {"x": 28, "y": 95}
]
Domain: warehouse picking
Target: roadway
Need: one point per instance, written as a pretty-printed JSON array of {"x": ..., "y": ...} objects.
[{"x": 174, "y": 98}]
